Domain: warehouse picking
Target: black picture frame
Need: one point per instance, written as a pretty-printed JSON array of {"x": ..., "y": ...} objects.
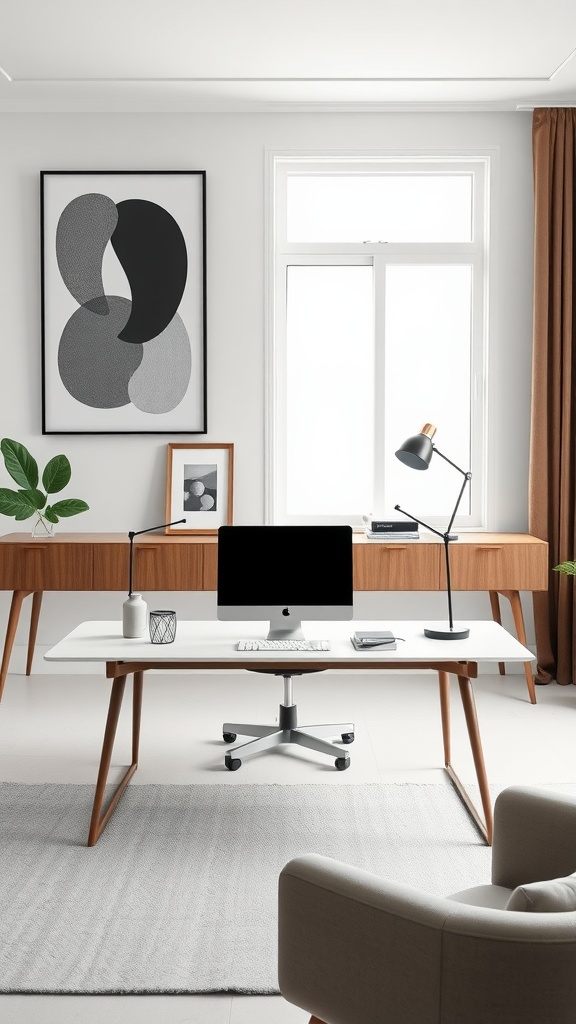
[{"x": 123, "y": 302}]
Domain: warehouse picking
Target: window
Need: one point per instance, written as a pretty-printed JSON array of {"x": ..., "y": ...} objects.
[{"x": 378, "y": 326}]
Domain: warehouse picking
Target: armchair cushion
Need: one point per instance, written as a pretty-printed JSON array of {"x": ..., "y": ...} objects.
[
  {"x": 556, "y": 895},
  {"x": 494, "y": 896}
]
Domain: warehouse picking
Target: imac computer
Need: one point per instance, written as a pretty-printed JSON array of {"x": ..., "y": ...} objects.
[{"x": 285, "y": 574}]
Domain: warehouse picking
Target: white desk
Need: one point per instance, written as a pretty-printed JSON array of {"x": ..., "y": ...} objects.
[{"x": 212, "y": 645}]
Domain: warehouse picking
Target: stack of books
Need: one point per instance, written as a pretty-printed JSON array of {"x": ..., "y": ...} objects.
[{"x": 391, "y": 529}]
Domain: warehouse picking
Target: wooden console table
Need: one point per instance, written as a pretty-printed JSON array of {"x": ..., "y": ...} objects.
[{"x": 499, "y": 563}]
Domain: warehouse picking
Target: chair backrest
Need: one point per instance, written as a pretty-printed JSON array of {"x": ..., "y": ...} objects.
[{"x": 534, "y": 836}]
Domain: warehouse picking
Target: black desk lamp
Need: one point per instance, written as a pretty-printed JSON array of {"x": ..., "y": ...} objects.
[
  {"x": 417, "y": 452},
  {"x": 134, "y": 608}
]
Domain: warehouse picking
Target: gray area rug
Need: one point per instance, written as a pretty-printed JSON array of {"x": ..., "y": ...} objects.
[{"x": 179, "y": 894}]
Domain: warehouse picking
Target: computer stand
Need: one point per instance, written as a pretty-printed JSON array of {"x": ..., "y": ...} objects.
[{"x": 287, "y": 731}]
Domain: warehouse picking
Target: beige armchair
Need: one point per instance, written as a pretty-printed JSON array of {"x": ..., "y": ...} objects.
[{"x": 355, "y": 948}]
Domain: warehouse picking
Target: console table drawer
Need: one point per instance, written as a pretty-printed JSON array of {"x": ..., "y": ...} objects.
[
  {"x": 210, "y": 567},
  {"x": 497, "y": 566},
  {"x": 45, "y": 565},
  {"x": 167, "y": 567},
  {"x": 112, "y": 566},
  {"x": 396, "y": 566}
]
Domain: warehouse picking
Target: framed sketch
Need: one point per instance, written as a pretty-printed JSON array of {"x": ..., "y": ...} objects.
[
  {"x": 199, "y": 483},
  {"x": 123, "y": 258}
]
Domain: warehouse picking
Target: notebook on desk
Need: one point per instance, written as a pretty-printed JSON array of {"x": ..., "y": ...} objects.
[{"x": 374, "y": 639}]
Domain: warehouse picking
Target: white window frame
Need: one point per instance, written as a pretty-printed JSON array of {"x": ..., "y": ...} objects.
[{"x": 281, "y": 254}]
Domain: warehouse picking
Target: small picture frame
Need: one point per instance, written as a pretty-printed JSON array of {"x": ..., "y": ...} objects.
[{"x": 199, "y": 487}]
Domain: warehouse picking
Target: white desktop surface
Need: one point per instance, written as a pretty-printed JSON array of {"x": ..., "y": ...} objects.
[{"x": 204, "y": 641}]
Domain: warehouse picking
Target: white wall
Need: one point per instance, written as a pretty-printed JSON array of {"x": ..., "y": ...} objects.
[{"x": 123, "y": 477}]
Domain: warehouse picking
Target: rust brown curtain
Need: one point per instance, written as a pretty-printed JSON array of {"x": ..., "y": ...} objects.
[{"x": 552, "y": 489}]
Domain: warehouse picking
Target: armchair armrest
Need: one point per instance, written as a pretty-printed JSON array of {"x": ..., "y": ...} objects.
[
  {"x": 355, "y": 948},
  {"x": 534, "y": 836},
  {"x": 344, "y": 931}
]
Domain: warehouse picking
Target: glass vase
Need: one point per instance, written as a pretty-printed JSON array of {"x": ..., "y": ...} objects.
[{"x": 41, "y": 528}]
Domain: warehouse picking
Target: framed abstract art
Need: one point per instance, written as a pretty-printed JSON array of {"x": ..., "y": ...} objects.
[
  {"x": 199, "y": 482},
  {"x": 123, "y": 302}
]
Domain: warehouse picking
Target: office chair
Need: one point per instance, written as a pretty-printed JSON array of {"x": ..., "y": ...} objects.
[
  {"x": 355, "y": 948},
  {"x": 287, "y": 730}
]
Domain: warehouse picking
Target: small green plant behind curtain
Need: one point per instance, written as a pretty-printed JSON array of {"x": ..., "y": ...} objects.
[{"x": 552, "y": 488}]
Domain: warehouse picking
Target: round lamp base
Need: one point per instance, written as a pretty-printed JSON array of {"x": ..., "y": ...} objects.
[{"x": 446, "y": 634}]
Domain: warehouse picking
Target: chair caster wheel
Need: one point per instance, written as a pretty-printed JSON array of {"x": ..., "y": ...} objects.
[
  {"x": 347, "y": 737},
  {"x": 228, "y": 737},
  {"x": 232, "y": 763},
  {"x": 342, "y": 763}
]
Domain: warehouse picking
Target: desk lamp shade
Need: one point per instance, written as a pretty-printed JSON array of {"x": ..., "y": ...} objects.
[{"x": 416, "y": 452}]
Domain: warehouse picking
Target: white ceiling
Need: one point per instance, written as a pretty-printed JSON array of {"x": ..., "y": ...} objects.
[{"x": 189, "y": 55}]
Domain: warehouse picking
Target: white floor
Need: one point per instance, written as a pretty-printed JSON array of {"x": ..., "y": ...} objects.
[{"x": 51, "y": 731}]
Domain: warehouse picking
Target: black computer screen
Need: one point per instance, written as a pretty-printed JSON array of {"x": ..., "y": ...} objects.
[{"x": 285, "y": 565}]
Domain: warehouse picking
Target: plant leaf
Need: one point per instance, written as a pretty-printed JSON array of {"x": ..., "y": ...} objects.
[
  {"x": 34, "y": 497},
  {"x": 16, "y": 503},
  {"x": 566, "y": 567},
  {"x": 67, "y": 507},
  {"x": 50, "y": 515},
  {"x": 56, "y": 474},
  {"x": 19, "y": 463}
]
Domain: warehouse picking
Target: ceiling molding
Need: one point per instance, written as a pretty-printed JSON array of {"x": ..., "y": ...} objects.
[
  {"x": 283, "y": 56},
  {"x": 562, "y": 65},
  {"x": 286, "y": 80}
]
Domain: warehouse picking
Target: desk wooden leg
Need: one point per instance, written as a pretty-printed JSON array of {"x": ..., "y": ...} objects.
[
  {"x": 444, "y": 684},
  {"x": 99, "y": 820},
  {"x": 34, "y": 619},
  {"x": 136, "y": 714},
  {"x": 13, "y": 618},
  {"x": 467, "y": 697}
]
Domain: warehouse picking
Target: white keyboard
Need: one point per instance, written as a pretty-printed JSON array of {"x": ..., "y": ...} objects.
[{"x": 283, "y": 645}]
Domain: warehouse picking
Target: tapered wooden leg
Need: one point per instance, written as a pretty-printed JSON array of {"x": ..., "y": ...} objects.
[
  {"x": 514, "y": 597},
  {"x": 516, "y": 605},
  {"x": 13, "y": 618},
  {"x": 467, "y": 697},
  {"x": 444, "y": 686},
  {"x": 99, "y": 820},
  {"x": 34, "y": 619},
  {"x": 495, "y": 605},
  {"x": 136, "y": 714},
  {"x": 316, "y": 1020}
]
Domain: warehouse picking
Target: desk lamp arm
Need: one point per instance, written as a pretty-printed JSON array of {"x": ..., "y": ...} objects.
[
  {"x": 136, "y": 533},
  {"x": 446, "y": 535}
]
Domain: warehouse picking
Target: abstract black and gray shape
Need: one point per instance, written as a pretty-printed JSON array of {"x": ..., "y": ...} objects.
[{"x": 116, "y": 350}]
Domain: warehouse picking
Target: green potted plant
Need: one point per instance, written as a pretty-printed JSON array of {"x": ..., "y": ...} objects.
[{"x": 30, "y": 500}]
